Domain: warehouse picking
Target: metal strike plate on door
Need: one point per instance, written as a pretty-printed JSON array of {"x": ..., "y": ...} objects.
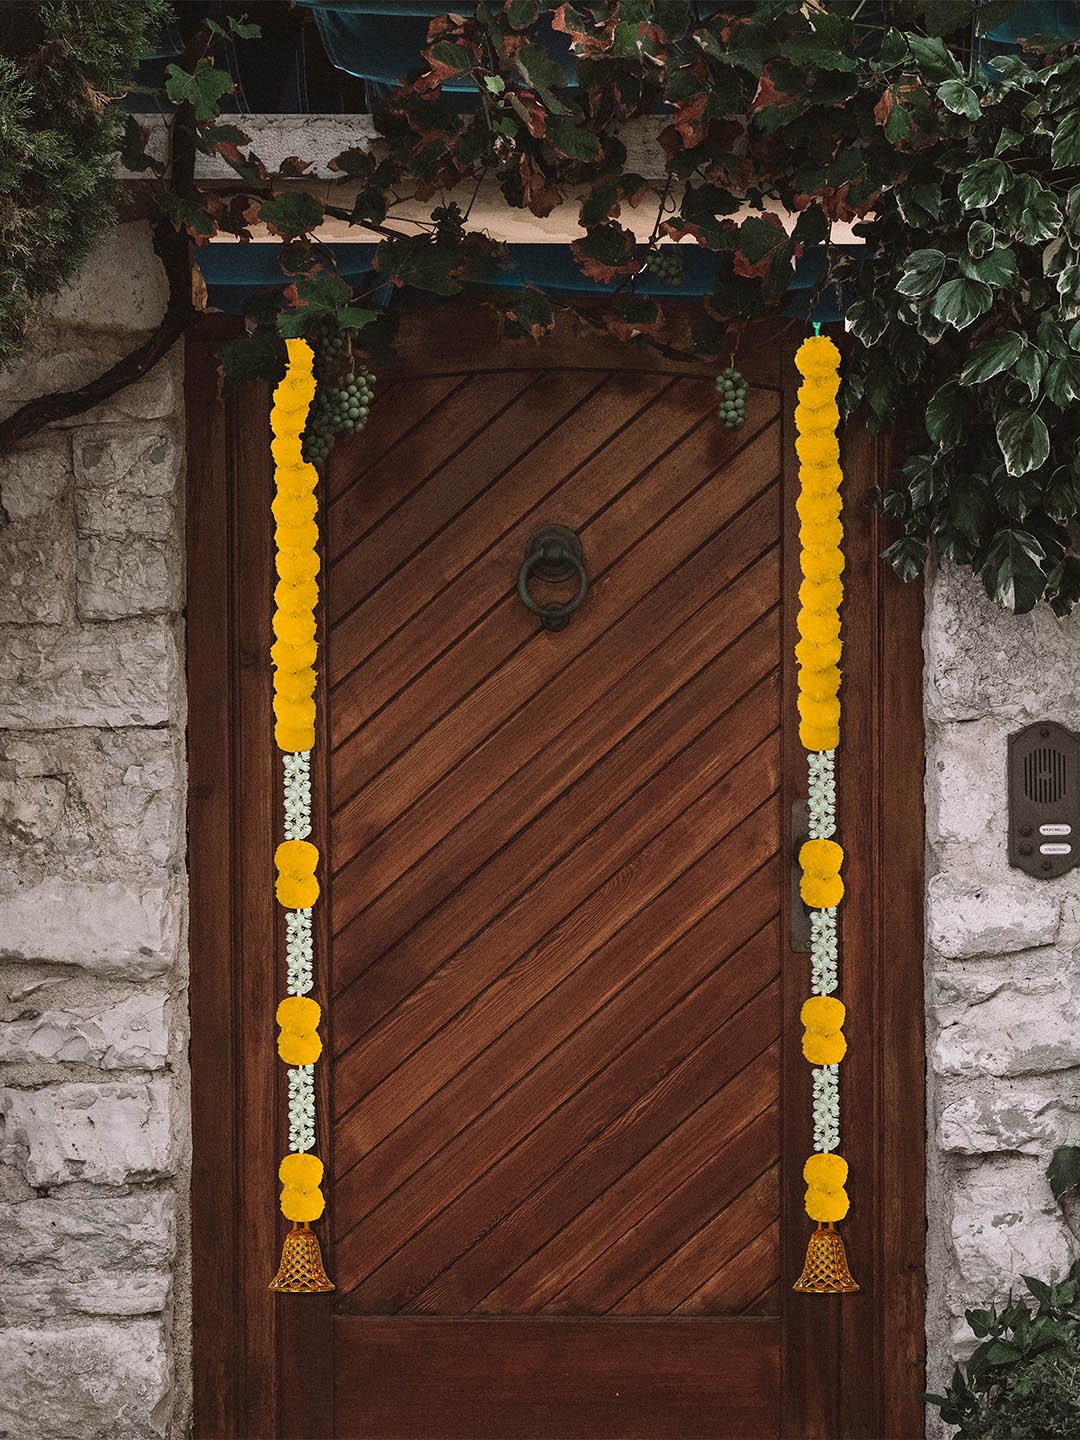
[{"x": 1044, "y": 800}]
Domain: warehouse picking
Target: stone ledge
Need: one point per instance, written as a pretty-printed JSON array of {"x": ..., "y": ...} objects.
[
  {"x": 152, "y": 398},
  {"x": 112, "y": 1134},
  {"x": 101, "y": 1382},
  {"x": 117, "y": 928}
]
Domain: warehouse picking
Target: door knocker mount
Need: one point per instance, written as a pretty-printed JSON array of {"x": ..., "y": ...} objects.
[{"x": 553, "y": 554}]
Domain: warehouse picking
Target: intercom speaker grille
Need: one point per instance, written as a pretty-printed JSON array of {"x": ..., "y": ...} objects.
[{"x": 1044, "y": 775}]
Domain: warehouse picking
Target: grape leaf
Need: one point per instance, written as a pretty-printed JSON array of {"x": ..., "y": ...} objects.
[
  {"x": 202, "y": 90},
  {"x": 293, "y": 214}
]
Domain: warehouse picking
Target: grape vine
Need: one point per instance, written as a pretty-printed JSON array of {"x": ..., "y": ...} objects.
[
  {"x": 343, "y": 394},
  {"x": 731, "y": 398}
]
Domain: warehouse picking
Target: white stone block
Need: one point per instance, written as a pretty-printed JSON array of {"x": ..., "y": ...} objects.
[
  {"x": 112, "y": 1134},
  {"x": 1012, "y": 1033},
  {"x": 36, "y": 574},
  {"x": 125, "y": 673},
  {"x": 87, "y": 1256},
  {"x": 151, "y": 398},
  {"x": 135, "y": 576},
  {"x": 107, "y": 1381},
  {"x": 128, "y": 1034},
  {"x": 95, "y": 298},
  {"x": 981, "y": 660},
  {"x": 126, "y": 482},
  {"x": 1028, "y": 1119},
  {"x": 1006, "y": 1224},
  {"x": 117, "y": 928},
  {"x": 967, "y": 918},
  {"x": 31, "y": 810},
  {"x": 34, "y": 479},
  {"x": 966, "y": 798}
]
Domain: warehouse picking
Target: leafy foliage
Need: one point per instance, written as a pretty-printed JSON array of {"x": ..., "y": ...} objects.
[
  {"x": 1023, "y": 1380},
  {"x": 62, "y": 65}
]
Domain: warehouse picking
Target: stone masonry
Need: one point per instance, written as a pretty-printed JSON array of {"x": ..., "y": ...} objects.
[
  {"x": 1002, "y": 980},
  {"x": 93, "y": 1013}
]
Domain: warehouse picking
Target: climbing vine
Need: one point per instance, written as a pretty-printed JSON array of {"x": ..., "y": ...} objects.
[{"x": 771, "y": 122}]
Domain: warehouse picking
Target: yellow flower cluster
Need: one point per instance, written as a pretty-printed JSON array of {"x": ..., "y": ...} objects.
[
  {"x": 823, "y": 1038},
  {"x": 820, "y": 537},
  {"x": 296, "y": 560},
  {"x": 820, "y": 885},
  {"x": 301, "y": 1198},
  {"x": 297, "y": 887},
  {"x": 298, "y": 1018},
  {"x": 826, "y": 1198}
]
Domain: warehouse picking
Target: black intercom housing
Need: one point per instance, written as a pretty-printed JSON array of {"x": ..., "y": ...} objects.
[{"x": 1044, "y": 799}]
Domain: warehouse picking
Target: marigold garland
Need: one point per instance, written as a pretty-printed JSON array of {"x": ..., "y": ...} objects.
[
  {"x": 818, "y": 654},
  {"x": 293, "y": 653}
]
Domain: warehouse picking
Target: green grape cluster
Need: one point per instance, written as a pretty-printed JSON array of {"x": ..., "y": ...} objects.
[
  {"x": 665, "y": 265},
  {"x": 343, "y": 395},
  {"x": 731, "y": 391}
]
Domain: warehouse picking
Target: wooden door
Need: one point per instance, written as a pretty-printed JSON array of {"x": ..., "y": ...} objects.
[{"x": 568, "y": 1110}]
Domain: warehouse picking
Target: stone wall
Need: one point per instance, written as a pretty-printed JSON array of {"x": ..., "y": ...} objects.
[
  {"x": 93, "y": 1012},
  {"x": 1003, "y": 982}
]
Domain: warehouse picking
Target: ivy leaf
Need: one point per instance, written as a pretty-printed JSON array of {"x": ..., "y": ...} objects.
[
  {"x": 1068, "y": 285},
  {"x": 1039, "y": 218},
  {"x": 1017, "y": 494},
  {"x": 1013, "y": 576},
  {"x": 1065, "y": 146},
  {"x": 907, "y": 557},
  {"x": 293, "y": 214},
  {"x": 980, "y": 238},
  {"x": 923, "y": 270},
  {"x": 945, "y": 415},
  {"x": 998, "y": 268},
  {"x": 1063, "y": 381},
  {"x": 867, "y": 320},
  {"x": 1061, "y": 494},
  {"x": 1072, "y": 209},
  {"x": 258, "y": 356},
  {"x": 983, "y": 183},
  {"x": 959, "y": 302},
  {"x": 1064, "y": 582},
  {"x": 959, "y": 97},
  {"x": 202, "y": 90},
  {"x": 1023, "y": 440},
  {"x": 1030, "y": 367}
]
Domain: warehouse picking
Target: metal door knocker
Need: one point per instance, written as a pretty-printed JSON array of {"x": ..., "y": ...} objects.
[{"x": 553, "y": 554}]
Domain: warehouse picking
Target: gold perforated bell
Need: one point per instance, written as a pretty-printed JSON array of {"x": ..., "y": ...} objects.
[
  {"x": 826, "y": 1270},
  {"x": 301, "y": 1270}
]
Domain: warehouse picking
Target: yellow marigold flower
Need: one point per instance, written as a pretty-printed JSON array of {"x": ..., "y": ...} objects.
[
  {"x": 818, "y": 737},
  {"x": 817, "y": 391},
  {"x": 289, "y": 657},
  {"x": 304, "y": 536},
  {"x": 296, "y": 857},
  {"x": 822, "y": 1172},
  {"x": 818, "y": 626},
  {"x": 301, "y": 1205},
  {"x": 300, "y": 479},
  {"x": 820, "y": 565},
  {"x": 818, "y": 655},
  {"x": 303, "y": 1172},
  {"x": 817, "y": 355},
  {"x": 818, "y": 891},
  {"x": 294, "y": 684},
  {"x": 821, "y": 594},
  {"x": 814, "y": 509},
  {"x": 824, "y": 1049},
  {"x": 815, "y": 415},
  {"x": 298, "y": 1049},
  {"x": 294, "y": 740},
  {"x": 821, "y": 857},
  {"x": 826, "y": 1206},
  {"x": 826, "y": 535},
  {"x": 298, "y": 1014},
  {"x": 820, "y": 684},
  {"x": 297, "y": 894},
  {"x": 296, "y": 599},
  {"x": 819, "y": 714},
  {"x": 821, "y": 479},
  {"x": 286, "y": 450},
  {"x": 292, "y": 510},
  {"x": 294, "y": 629},
  {"x": 823, "y": 1014},
  {"x": 295, "y": 566},
  {"x": 294, "y": 715},
  {"x": 819, "y": 447},
  {"x": 301, "y": 355}
]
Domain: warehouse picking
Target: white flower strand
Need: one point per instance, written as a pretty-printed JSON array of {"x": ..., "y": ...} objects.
[
  {"x": 821, "y": 793},
  {"x": 826, "y": 1109},
  {"x": 298, "y": 795},
  {"x": 299, "y": 951},
  {"x": 301, "y": 1108},
  {"x": 823, "y": 952}
]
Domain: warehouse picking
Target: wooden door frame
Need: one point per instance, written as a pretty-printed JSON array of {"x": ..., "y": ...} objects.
[{"x": 263, "y": 1363}]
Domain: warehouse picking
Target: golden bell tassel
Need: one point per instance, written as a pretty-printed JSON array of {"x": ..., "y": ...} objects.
[
  {"x": 301, "y": 1270},
  {"x": 826, "y": 1270}
]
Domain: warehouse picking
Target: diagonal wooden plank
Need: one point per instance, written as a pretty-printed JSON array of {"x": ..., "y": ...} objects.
[
  {"x": 489, "y": 453},
  {"x": 746, "y": 1280},
  {"x": 673, "y": 1194},
  {"x": 397, "y": 471},
  {"x": 456, "y": 567},
  {"x": 725, "y": 1237},
  {"x": 592, "y": 766},
  {"x": 396, "y": 1262},
  {"x": 592, "y": 893},
  {"x": 498, "y": 662},
  {"x": 402, "y": 406}
]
